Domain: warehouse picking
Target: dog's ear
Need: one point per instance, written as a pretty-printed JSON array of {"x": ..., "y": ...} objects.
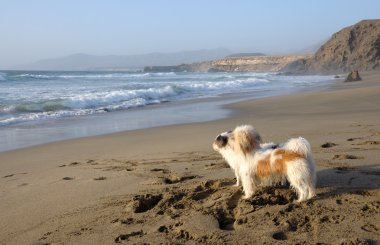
[{"x": 246, "y": 138}]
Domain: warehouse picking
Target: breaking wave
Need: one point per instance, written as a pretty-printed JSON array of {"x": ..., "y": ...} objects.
[{"x": 33, "y": 96}]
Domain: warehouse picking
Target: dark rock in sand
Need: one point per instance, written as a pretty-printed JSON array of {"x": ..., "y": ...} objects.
[{"x": 353, "y": 77}]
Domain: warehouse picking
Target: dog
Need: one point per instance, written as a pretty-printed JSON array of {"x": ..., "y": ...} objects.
[{"x": 267, "y": 164}]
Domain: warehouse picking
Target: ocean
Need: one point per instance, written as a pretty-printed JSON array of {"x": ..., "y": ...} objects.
[{"x": 38, "y": 107}]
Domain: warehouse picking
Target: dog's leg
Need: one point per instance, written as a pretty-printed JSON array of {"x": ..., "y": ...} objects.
[
  {"x": 248, "y": 185},
  {"x": 237, "y": 177},
  {"x": 300, "y": 179},
  {"x": 300, "y": 188},
  {"x": 311, "y": 188},
  {"x": 302, "y": 192},
  {"x": 313, "y": 180}
]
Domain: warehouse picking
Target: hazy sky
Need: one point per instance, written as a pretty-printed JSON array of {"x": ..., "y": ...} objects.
[{"x": 36, "y": 29}]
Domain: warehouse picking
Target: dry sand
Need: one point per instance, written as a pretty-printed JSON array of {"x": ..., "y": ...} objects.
[{"x": 166, "y": 185}]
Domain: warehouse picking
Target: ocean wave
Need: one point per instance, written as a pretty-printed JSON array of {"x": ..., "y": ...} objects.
[
  {"x": 92, "y": 76},
  {"x": 108, "y": 100},
  {"x": 91, "y": 100},
  {"x": 41, "y": 106},
  {"x": 31, "y": 100},
  {"x": 3, "y": 76},
  {"x": 45, "y": 115},
  {"x": 36, "y": 76},
  {"x": 225, "y": 86},
  {"x": 126, "y": 98}
]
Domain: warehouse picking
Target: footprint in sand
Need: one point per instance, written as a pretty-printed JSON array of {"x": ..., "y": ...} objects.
[
  {"x": 143, "y": 203},
  {"x": 368, "y": 142},
  {"x": 9, "y": 175},
  {"x": 174, "y": 179},
  {"x": 218, "y": 165},
  {"x": 127, "y": 221},
  {"x": 100, "y": 178},
  {"x": 345, "y": 157},
  {"x": 355, "y": 138},
  {"x": 370, "y": 228},
  {"x": 125, "y": 237},
  {"x": 328, "y": 145},
  {"x": 70, "y": 165},
  {"x": 67, "y": 178},
  {"x": 162, "y": 170},
  {"x": 344, "y": 169},
  {"x": 280, "y": 236}
]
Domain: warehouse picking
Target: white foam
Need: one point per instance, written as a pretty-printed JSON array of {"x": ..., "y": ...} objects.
[
  {"x": 46, "y": 115},
  {"x": 64, "y": 94},
  {"x": 90, "y": 100}
]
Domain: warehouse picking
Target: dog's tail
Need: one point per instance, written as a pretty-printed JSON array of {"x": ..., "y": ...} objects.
[{"x": 302, "y": 147}]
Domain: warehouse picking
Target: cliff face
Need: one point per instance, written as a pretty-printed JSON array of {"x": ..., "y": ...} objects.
[
  {"x": 355, "y": 47},
  {"x": 251, "y": 63}
]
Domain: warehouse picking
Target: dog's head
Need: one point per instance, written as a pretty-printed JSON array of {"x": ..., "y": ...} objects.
[{"x": 243, "y": 139}]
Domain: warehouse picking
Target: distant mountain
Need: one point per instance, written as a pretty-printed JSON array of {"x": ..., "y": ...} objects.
[
  {"x": 245, "y": 55},
  {"x": 124, "y": 62},
  {"x": 355, "y": 47}
]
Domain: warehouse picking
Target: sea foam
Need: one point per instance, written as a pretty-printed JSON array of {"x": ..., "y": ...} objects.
[{"x": 35, "y": 96}]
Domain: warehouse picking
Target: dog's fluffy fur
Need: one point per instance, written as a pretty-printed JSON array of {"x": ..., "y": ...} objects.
[{"x": 266, "y": 164}]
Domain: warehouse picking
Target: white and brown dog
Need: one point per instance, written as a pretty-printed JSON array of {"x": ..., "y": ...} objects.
[{"x": 267, "y": 164}]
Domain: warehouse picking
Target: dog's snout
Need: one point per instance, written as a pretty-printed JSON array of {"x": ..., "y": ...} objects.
[{"x": 221, "y": 140}]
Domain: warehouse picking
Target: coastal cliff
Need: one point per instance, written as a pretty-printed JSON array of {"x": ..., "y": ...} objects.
[
  {"x": 234, "y": 64},
  {"x": 355, "y": 47},
  {"x": 252, "y": 63}
]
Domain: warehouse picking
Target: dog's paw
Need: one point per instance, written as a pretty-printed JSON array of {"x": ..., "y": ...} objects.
[
  {"x": 245, "y": 197},
  {"x": 299, "y": 200}
]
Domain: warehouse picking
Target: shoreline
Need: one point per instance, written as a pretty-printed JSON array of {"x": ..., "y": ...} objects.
[
  {"x": 187, "y": 111},
  {"x": 78, "y": 188}
]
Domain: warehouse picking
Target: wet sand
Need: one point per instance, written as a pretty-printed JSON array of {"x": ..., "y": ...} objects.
[{"x": 165, "y": 184}]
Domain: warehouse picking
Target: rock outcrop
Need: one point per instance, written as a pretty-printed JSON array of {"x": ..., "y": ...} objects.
[
  {"x": 234, "y": 64},
  {"x": 255, "y": 63},
  {"x": 353, "y": 77},
  {"x": 355, "y": 47}
]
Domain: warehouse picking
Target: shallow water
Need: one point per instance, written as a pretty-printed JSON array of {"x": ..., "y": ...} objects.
[{"x": 40, "y": 107}]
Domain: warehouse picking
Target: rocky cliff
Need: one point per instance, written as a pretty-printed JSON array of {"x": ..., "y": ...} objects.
[
  {"x": 249, "y": 63},
  {"x": 355, "y": 47}
]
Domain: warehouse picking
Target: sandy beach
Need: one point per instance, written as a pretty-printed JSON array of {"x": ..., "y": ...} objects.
[{"x": 167, "y": 185}]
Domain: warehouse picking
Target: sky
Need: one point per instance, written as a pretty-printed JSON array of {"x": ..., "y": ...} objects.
[{"x": 31, "y": 30}]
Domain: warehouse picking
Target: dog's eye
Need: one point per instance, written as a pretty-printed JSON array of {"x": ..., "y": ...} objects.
[{"x": 222, "y": 140}]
